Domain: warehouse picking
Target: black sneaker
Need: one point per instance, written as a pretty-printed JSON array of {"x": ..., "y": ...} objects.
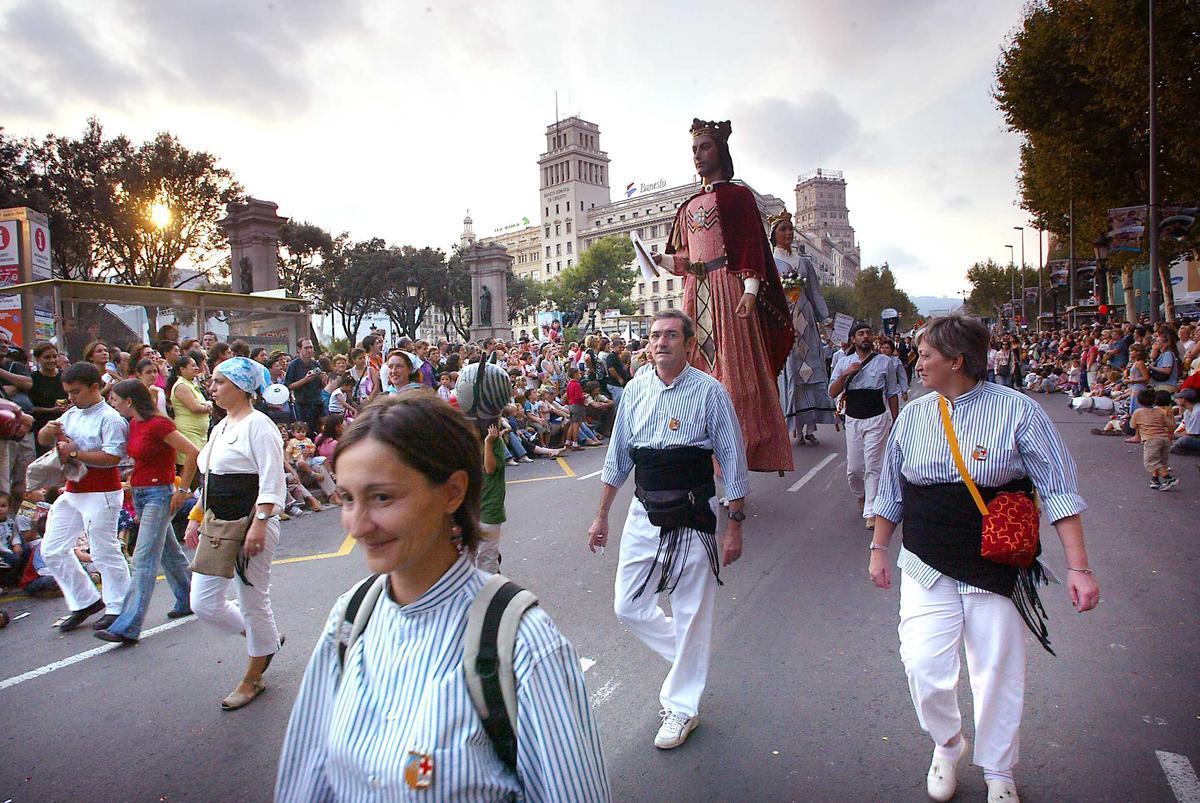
[
  {"x": 1167, "y": 482},
  {"x": 115, "y": 638},
  {"x": 1155, "y": 485}
]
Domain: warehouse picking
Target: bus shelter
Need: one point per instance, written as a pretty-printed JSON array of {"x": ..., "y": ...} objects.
[{"x": 71, "y": 314}]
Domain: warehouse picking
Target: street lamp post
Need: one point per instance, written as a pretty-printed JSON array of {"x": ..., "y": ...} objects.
[
  {"x": 1022, "y": 230},
  {"x": 1041, "y": 293},
  {"x": 1152, "y": 216},
  {"x": 411, "y": 305},
  {"x": 1012, "y": 281}
]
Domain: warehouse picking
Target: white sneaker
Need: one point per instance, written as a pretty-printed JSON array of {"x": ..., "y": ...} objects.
[
  {"x": 1002, "y": 792},
  {"x": 674, "y": 729},
  {"x": 942, "y": 780}
]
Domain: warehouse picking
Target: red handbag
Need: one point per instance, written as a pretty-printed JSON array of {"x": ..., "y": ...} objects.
[{"x": 1010, "y": 522}]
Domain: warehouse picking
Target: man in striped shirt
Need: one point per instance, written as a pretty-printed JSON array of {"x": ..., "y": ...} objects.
[{"x": 672, "y": 410}]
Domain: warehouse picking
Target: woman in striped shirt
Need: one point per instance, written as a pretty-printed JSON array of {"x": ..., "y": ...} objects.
[
  {"x": 1009, "y": 443},
  {"x": 410, "y": 472}
]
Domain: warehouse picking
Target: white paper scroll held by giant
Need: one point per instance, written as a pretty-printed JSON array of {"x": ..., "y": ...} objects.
[{"x": 644, "y": 259}]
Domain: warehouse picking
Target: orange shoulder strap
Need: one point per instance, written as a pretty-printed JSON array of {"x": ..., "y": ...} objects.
[{"x": 958, "y": 458}]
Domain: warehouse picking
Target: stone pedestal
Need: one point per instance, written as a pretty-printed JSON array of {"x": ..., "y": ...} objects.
[
  {"x": 488, "y": 265},
  {"x": 253, "y": 231}
]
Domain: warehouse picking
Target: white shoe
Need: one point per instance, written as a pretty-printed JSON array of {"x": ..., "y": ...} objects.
[
  {"x": 1002, "y": 792},
  {"x": 674, "y": 729},
  {"x": 942, "y": 780}
]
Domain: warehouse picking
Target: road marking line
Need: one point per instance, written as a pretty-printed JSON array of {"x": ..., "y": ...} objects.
[
  {"x": 536, "y": 479},
  {"x": 83, "y": 656},
  {"x": 343, "y": 550},
  {"x": 589, "y": 476},
  {"x": 565, "y": 467},
  {"x": 812, "y": 472},
  {"x": 586, "y": 663},
  {"x": 1180, "y": 775}
]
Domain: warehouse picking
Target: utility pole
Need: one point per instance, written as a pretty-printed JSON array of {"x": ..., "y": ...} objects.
[
  {"x": 1012, "y": 283},
  {"x": 1041, "y": 295},
  {"x": 1024, "y": 317},
  {"x": 1152, "y": 216},
  {"x": 1071, "y": 262}
]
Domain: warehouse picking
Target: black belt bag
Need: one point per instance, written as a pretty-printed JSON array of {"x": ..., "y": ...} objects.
[{"x": 673, "y": 509}]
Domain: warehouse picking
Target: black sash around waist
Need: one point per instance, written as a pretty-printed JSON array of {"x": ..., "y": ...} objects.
[
  {"x": 866, "y": 403},
  {"x": 944, "y": 528},
  {"x": 675, "y": 486},
  {"x": 231, "y": 496}
]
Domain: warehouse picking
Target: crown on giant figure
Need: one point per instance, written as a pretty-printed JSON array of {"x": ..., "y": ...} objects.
[
  {"x": 775, "y": 220},
  {"x": 713, "y": 128}
]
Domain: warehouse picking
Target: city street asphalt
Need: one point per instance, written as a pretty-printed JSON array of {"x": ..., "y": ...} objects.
[{"x": 806, "y": 698}]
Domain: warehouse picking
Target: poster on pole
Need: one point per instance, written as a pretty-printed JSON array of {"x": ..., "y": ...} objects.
[
  {"x": 39, "y": 250},
  {"x": 10, "y": 255},
  {"x": 841, "y": 328}
]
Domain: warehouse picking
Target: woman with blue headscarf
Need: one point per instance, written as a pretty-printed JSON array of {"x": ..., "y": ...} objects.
[{"x": 244, "y": 477}]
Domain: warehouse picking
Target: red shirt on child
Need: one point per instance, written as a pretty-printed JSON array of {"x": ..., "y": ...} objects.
[{"x": 574, "y": 392}]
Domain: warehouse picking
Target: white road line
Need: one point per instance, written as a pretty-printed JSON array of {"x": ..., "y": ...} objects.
[
  {"x": 812, "y": 472},
  {"x": 589, "y": 476},
  {"x": 1180, "y": 775},
  {"x": 83, "y": 656},
  {"x": 586, "y": 663}
]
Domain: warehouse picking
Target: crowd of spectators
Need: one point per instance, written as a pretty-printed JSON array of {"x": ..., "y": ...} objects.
[
  {"x": 1113, "y": 370},
  {"x": 563, "y": 398}
]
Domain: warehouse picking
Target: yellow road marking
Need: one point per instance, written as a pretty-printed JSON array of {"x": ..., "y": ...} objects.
[{"x": 565, "y": 467}]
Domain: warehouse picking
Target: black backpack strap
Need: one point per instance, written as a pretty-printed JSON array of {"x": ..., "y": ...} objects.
[
  {"x": 350, "y": 628},
  {"x": 488, "y": 660}
]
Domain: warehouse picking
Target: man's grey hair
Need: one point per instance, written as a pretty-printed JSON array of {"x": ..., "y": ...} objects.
[
  {"x": 959, "y": 335},
  {"x": 689, "y": 328}
]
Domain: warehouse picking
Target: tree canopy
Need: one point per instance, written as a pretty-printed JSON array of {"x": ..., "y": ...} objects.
[{"x": 1073, "y": 82}]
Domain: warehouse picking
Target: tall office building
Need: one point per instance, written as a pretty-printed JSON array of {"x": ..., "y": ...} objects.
[
  {"x": 821, "y": 209},
  {"x": 574, "y": 179}
]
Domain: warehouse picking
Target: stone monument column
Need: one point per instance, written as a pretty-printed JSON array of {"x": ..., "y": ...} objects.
[
  {"x": 253, "y": 231},
  {"x": 488, "y": 264}
]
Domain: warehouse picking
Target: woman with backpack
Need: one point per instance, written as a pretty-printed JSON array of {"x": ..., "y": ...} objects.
[{"x": 390, "y": 712}]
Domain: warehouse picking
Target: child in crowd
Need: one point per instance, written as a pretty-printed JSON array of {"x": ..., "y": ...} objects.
[
  {"x": 1074, "y": 377},
  {"x": 340, "y": 399},
  {"x": 14, "y": 543},
  {"x": 601, "y": 409},
  {"x": 1050, "y": 379},
  {"x": 1155, "y": 426},
  {"x": 445, "y": 385},
  {"x": 301, "y": 452},
  {"x": 1033, "y": 381},
  {"x": 491, "y": 498}
]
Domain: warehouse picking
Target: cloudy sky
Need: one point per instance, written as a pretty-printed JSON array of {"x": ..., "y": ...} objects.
[{"x": 391, "y": 119}]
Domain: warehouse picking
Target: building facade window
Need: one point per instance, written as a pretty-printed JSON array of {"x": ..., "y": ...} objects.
[
  {"x": 670, "y": 285},
  {"x": 568, "y": 246},
  {"x": 568, "y": 222},
  {"x": 547, "y": 252},
  {"x": 654, "y": 287},
  {"x": 557, "y": 229}
]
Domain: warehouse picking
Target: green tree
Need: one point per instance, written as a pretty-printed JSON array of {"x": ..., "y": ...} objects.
[
  {"x": 302, "y": 247},
  {"x": 840, "y": 299},
  {"x": 604, "y": 275},
  {"x": 525, "y": 296},
  {"x": 348, "y": 284},
  {"x": 992, "y": 285},
  {"x": 875, "y": 290},
  {"x": 414, "y": 281},
  {"x": 1073, "y": 83}
]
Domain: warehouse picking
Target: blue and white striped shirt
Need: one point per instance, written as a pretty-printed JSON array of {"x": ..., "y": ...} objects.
[
  {"x": 703, "y": 415},
  {"x": 1003, "y": 435},
  {"x": 403, "y": 689},
  {"x": 878, "y": 374}
]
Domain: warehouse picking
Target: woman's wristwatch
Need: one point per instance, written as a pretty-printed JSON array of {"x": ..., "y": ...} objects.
[
  {"x": 261, "y": 516},
  {"x": 880, "y": 547}
]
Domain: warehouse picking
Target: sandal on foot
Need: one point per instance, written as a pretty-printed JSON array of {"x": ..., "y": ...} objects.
[{"x": 237, "y": 699}]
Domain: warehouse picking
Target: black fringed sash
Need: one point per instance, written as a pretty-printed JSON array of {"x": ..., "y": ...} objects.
[
  {"x": 674, "y": 485},
  {"x": 943, "y": 527}
]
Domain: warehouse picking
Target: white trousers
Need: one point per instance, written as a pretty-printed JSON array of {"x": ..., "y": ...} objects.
[
  {"x": 866, "y": 441},
  {"x": 933, "y": 623},
  {"x": 95, "y": 513},
  {"x": 685, "y": 639},
  {"x": 252, "y": 614},
  {"x": 487, "y": 554}
]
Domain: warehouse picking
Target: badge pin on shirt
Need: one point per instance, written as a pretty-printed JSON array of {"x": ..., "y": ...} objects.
[
  {"x": 418, "y": 770},
  {"x": 979, "y": 453},
  {"x": 673, "y": 424}
]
